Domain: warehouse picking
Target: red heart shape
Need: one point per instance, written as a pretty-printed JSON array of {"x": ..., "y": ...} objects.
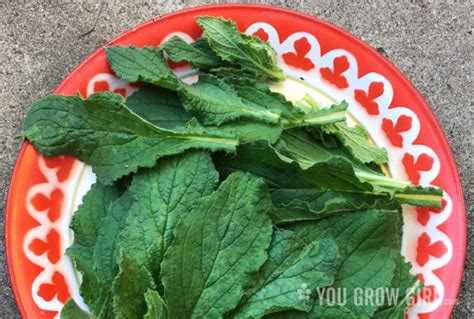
[
  {"x": 393, "y": 131},
  {"x": 340, "y": 65},
  {"x": 51, "y": 246},
  {"x": 299, "y": 60},
  {"x": 423, "y": 163},
  {"x": 64, "y": 165},
  {"x": 260, "y": 33},
  {"x": 52, "y": 204},
  {"x": 366, "y": 99},
  {"x": 57, "y": 288},
  {"x": 425, "y": 249}
]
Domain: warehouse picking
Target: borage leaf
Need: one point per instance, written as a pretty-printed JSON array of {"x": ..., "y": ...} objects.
[
  {"x": 218, "y": 102},
  {"x": 259, "y": 96},
  {"x": 145, "y": 64},
  {"x": 397, "y": 298},
  {"x": 163, "y": 195},
  {"x": 296, "y": 146},
  {"x": 216, "y": 246},
  {"x": 320, "y": 310},
  {"x": 295, "y": 261},
  {"x": 215, "y": 101},
  {"x": 369, "y": 245},
  {"x": 355, "y": 139},
  {"x": 104, "y": 133},
  {"x": 261, "y": 160},
  {"x": 237, "y": 48},
  {"x": 327, "y": 188},
  {"x": 163, "y": 108},
  {"x": 159, "y": 106},
  {"x": 312, "y": 204},
  {"x": 155, "y": 305},
  {"x": 72, "y": 311},
  {"x": 197, "y": 53},
  {"x": 97, "y": 224},
  {"x": 129, "y": 288}
]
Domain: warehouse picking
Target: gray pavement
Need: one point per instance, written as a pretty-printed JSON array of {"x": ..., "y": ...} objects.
[{"x": 430, "y": 42}]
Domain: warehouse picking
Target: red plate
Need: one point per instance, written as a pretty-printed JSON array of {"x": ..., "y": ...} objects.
[{"x": 44, "y": 192}]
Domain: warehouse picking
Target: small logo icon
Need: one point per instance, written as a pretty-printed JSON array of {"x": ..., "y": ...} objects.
[{"x": 304, "y": 293}]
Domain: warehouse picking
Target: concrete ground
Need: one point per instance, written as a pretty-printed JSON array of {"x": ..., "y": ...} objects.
[{"x": 430, "y": 42}]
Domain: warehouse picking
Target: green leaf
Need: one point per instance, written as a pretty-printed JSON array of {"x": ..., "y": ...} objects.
[
  {"x": 328, "y": 141},
  {"x": 237, "y": 48},
  {"x": 259, "y": 96},
  {"x": 216, "y": 246},
  {"x": 129, "y": 288},
  {"x": 355, "y": 139},
  {"x": 369, "y": 244},
  {"x": 318, "y": 311},
  {"x": 242, "y": 71},
  {"x": 202, "y": 45},
  {"x": 404, "y": 285},
  {"x": 86, "y": 224},
  {"x": 248, "y": 109},
  {"x": 86, "y": 221},
  {"x": 145, "y": 64},
  {"x": 323, "y": 310},
  {"x": 72, "y": 311},
  {"x": 159, "y": 106},
  {"x": 312, "y": 204},
  {"x": 163, "y": 195},
  {"x": 247, "y": 131},
  {"x": 294, "y": 261},
  {"x": 105, "y": 249},
  {"x": 104, "y": 133},
  {"x": 325, "y": 189},
  {"x": 336, "y": 113},
  {"x": 408, "y": 285},
  {"x": 420, "y": 196},
  {"x": 299, "y": 147},
  {"x": 336, "y": 174},
  {"x": 155, "y": 305},
  {"x": 100, "y": 216},
  {"x": 197, "y": 53},
  {"x": 163, "y": 108},
  {"x": 217, "y": 102},
  {"x": 399, "y": 310},
  {"x": 295, "y": 146}
]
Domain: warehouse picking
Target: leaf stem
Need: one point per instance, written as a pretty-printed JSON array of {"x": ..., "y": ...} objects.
[
  {"x": 279, "y": 76},
  {"x": 264, "y": 115},
  {"x": 403, "y": 190},
  {"x": 381, "y": 180},
  {"x": 325, "y": 116},
  {"x": 312, "y": 102},
  {"x": 216, "y": 140},
  {"x": 330, "y": 117},
  {"x": 422, "y": 200}
]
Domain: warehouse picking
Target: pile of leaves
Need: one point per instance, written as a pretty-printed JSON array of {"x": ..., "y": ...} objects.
[{"x": 220, "y": 198}]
